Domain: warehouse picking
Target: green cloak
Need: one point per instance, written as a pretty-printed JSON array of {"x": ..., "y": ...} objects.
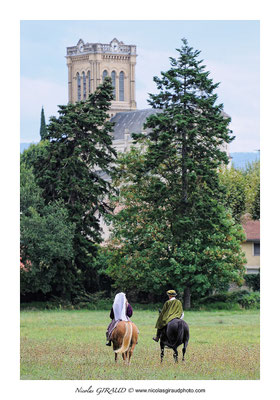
[{"x": 171, "y": 309}]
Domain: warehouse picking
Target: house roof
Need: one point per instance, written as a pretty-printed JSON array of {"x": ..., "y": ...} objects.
[
  {"x": 133, "y": 121},
  {"x": 252, "y": 229}
]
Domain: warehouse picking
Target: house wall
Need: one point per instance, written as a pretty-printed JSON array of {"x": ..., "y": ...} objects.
[{"x": 253, "y": 262}]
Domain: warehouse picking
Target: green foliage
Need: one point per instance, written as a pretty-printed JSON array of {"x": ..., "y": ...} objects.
[
  {"x": 235, "y": 183},
  {"x": 80, "y": 146},
  {"x": 236, "y": 295},
  {"x": 256, "y": 204},
  {"x": 67, "y": 167},
  {"x": 253, "y": 281},
  {"x": 243, "y": 190},
  {"x": 226, "y": 297},
  {"x": 174, "y": 229},
  {"x": 219, "y": 305},
  {"x": 94, "y": 301},
  {"x": 252, "y": 177},
  {"x": 30, "y": 156},
  {"x": 251, "y": 301},
  {"x": 46, "y": 238},
  {"x": 231, "y": 300}
]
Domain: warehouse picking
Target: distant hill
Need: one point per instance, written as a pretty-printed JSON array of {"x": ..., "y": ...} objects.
[{"x": 240, "y": 160}]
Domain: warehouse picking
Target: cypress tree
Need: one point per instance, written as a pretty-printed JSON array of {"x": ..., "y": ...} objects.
[{"x": 43, "y": 127}]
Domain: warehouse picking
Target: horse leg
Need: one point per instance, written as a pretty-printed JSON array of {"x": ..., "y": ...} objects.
[
  {"x": 116, "y": 357},
  {"x": 133, "y": 342},
  {"x": 185, "y": 343},
  {"x": 131, "y": 350},
  {"x": 184, "y": 351},
  {"x": 175, "y": 355},
  {"x": 129, "y": 355},
  {"x": 162, "y": 352}
]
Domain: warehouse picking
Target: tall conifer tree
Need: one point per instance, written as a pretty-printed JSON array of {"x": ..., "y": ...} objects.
[
  {"x": 72, "y": 170},
  {"x": 43, "y": 127},
  {"x": 184, "y": 235}
]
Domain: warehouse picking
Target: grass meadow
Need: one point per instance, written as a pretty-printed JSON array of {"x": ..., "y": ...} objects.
[{"x": 70, "y": 345}]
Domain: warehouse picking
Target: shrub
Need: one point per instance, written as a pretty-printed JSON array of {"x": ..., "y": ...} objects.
[
  {"x": 227, "y": 297},
  {"x": 230, "y": 301},
  {"x": 214, "y": 298},
  {"x": 219, "y": 305},
  {"x": 253, "y": 281},
  {"x": 237, "y": 295},
  {"x": 250, "y": 301}
]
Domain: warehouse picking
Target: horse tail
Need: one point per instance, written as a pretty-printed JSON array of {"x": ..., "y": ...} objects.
[
  {"x": 187, "y": 336},
  {"x": 126, "y": 339},
  {"x": 180, "y": 335}
]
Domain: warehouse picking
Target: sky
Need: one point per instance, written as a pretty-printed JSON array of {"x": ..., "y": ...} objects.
[{"x": 230, "y": 49}]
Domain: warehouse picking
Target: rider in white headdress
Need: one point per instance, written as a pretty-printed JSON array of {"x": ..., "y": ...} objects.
[
  {"x": 119, "y": 307},
  {"x": 121, "y": 311}
]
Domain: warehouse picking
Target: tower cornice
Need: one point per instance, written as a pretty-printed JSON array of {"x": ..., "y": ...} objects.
[{"x": 114, "y": 47}]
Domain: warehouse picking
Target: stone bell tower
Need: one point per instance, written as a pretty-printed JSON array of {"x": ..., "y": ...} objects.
[{"x": 89, "y": 63}]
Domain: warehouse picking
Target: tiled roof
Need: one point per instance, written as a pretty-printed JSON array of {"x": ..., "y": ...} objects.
[{"x": 252, "y": 229}]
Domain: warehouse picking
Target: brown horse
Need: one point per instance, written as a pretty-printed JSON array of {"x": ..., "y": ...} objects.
[{"x": 124, "y": 338}]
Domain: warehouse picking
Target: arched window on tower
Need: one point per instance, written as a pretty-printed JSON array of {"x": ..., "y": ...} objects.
[
  {"x": 78, "y": 86},
  {"x": 113, "y": 76},
  {"x": 105, "y": 73},
  {"x": 84, "y": 86},
  {"x": 89, "y": 87},
  {"x": 121, "y": 86}
]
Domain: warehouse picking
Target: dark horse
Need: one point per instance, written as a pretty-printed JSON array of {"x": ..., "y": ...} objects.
[
  {"x": 124, "y": 338},
  {"x": 175, "y": 334}
]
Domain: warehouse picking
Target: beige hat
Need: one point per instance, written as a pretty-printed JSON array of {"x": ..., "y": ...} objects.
[{"x": 171, "y": 293}]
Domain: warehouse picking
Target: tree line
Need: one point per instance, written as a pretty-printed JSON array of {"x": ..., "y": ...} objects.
[{"x": 179, "y": 207}]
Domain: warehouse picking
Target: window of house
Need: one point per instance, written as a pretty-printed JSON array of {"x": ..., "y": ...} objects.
[
  {"x": 105, "y": 73},
  {"x": 78, "y": 86},
  {"x": 121, "y": 86},
  {"x": 256, "y": 249},
  {"x": 113, "y": 76}
]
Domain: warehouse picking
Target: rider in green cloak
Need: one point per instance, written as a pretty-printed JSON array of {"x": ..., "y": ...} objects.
[{"x": 172, "y": 309}]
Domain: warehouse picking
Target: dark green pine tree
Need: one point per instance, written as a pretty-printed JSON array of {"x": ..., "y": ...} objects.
[
  {"x": 185, "y": 233},
  {"x": 72, "y": 170},
  {"x": 192, "y": 127},
  {"x": 43, "y": 127}
]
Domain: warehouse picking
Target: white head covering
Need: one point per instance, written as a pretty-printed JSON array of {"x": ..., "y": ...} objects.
[{"x": 119, "y": 307}]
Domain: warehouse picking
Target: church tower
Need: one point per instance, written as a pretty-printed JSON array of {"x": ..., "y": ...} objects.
[{"x": 89, "y": 63}]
